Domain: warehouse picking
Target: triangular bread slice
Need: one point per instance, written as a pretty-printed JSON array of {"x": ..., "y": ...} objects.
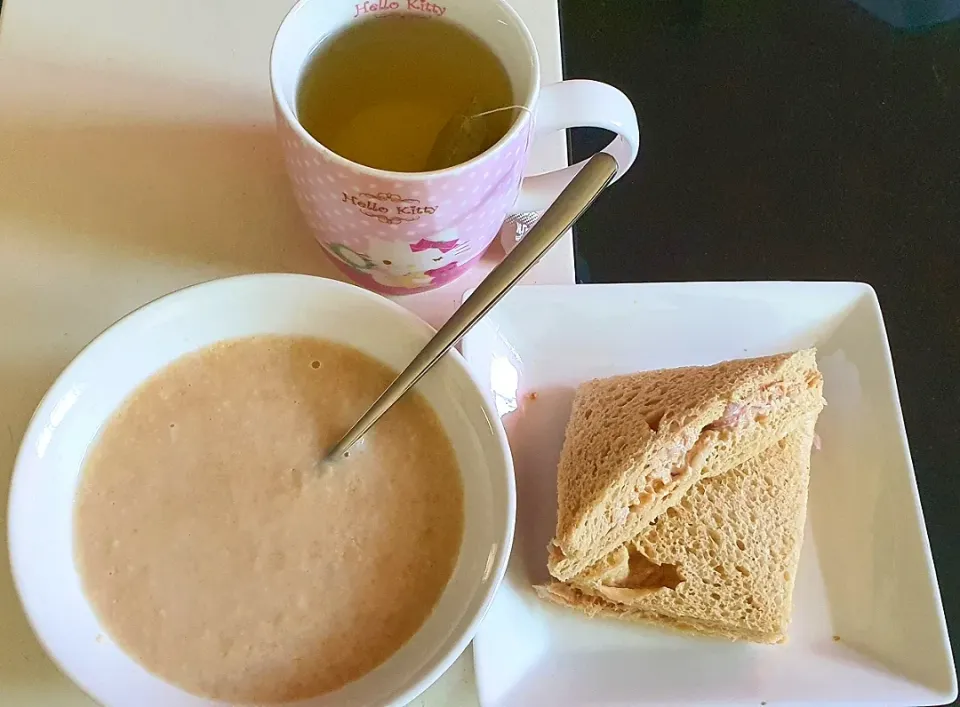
[
  {"x": 635, "y": 444},
  {"x": 722, "y": 562}
]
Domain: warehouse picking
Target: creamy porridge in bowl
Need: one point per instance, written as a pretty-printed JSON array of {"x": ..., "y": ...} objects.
[{"x": 172, "y": 544}]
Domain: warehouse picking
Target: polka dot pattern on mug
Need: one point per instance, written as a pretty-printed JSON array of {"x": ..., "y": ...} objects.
[{"x": 409, "y": 233}]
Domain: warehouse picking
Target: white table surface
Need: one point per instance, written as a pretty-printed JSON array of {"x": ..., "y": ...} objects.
[{"x": 137, "y": 156}]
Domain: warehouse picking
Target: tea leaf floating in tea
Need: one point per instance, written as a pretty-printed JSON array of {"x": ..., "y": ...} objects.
[{"x": 464, "y": 136}]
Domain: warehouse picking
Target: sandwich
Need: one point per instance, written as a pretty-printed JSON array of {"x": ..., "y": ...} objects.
[
  {"x": 722, "y": 561},
  {"x": 635, "y": 445}
]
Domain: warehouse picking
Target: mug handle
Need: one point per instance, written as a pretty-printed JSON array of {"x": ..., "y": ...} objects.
[{"x": 574, "y": 104}]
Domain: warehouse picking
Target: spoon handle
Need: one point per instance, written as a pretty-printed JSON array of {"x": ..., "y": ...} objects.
[{"x": 556, "y": 220}]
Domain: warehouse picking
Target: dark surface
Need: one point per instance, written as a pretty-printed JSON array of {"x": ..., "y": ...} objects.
[{"x": 803, "y": 140}]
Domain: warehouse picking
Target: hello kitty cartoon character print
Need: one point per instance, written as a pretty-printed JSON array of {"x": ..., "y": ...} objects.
[
  {"x": 431, "y": 227},
  {"x": 399, "y": 267}
]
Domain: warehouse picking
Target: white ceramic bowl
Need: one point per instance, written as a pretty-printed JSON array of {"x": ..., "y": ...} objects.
[{"x": 94, "y": 384}]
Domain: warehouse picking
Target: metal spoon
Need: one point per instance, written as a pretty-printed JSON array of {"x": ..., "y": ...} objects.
[{"x": 576, "y": 198}]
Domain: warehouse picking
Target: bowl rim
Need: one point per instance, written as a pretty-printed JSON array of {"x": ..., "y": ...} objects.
[{"x": 439, "y": 662}]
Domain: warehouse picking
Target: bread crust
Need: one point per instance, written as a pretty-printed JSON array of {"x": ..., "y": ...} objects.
[
  {"x": 734, "y": 541},
  {"x": 636, "y": 444}
]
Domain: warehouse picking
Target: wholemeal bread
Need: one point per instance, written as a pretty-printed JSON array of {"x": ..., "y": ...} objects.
[
  {"x": 636, "y": 444},
  {"x": 722, "y": 562}
]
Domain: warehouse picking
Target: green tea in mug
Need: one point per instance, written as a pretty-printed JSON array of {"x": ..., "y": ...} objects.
[{"x": 398, "y": 93}]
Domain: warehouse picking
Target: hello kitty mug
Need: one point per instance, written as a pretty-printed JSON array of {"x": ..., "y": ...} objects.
[{"x": 398, "y": 232}]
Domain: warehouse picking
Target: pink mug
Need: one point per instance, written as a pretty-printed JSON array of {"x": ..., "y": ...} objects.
[{"x": 399, "y": 232}]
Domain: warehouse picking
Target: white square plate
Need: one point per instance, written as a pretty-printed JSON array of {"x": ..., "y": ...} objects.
[{"x": 868, "y": 623}]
